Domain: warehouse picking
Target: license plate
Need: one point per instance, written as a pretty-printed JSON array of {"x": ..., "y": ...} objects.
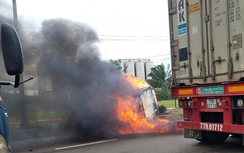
[
  {"x": 211, "y": 103},
  {"x": 212, "y": 126}
]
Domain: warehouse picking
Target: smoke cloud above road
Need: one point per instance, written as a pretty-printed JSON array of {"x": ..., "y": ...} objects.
[{"x": 81, "y": 81}]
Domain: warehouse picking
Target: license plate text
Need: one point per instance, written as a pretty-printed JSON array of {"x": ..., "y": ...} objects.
[{"x": 211, "y": 126}]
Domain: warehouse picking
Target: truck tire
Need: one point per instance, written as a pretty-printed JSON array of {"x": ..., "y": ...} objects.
[
  {"x": 215, "y": 137},
  {"x": 204, "y": 138}
]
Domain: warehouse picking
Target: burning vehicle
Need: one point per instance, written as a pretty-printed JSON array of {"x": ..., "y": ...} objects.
[
  {"x": 140, "y": 112},
  {"x": 145, "y": 97},
  {"x": 134, "y": 112}
]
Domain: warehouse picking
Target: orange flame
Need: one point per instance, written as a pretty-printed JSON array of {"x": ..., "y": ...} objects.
[
  {"x": 136, "y": 82},
  {"x": 134, "y": 121}
]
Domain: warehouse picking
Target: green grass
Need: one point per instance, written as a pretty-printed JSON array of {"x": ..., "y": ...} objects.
[
  {"x": 171, "y": 104},
  {"x": 43, "y": 115},
  {"x": 40, "y": 115},
  {"x": 168, "y": 103}
]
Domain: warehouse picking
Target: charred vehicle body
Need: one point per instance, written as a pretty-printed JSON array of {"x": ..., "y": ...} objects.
[{"x": 146, "y": 99}]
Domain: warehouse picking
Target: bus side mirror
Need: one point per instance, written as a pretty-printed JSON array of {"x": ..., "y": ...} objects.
[{"x": 12, "y": 50}]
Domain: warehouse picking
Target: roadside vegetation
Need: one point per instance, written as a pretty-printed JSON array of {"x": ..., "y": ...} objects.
[
  {"x": 168, "y": 103},
  {"x": 35, "y": 109},
  {"x": 161, "y": 80},
  {"x": 171, "y": 106}
]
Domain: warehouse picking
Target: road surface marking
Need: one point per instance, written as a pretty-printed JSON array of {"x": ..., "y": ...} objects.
[{"x": 86, "y": 144}]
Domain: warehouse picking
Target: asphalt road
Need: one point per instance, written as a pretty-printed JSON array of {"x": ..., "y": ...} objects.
[{"x": 147, "y": 143}]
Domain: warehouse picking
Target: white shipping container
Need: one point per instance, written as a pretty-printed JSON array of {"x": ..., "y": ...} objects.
[{"x": 206, "y": 41}]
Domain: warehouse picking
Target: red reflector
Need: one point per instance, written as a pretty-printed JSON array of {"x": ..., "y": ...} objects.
[{"x": 180, "y": 103}]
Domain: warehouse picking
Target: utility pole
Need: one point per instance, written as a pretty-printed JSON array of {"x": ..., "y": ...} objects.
[
  {"x": 16, "y": 24},
  {"x": 23, "y": 122}
]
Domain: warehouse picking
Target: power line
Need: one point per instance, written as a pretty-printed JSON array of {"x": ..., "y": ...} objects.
[
  {"x": 156, "y": 55},
  {"x": 132, "y": 38},
  {"x": 129, "y": 36}
]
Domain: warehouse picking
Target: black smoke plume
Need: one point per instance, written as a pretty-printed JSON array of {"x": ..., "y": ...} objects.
[{"x": 81, "y": 82}]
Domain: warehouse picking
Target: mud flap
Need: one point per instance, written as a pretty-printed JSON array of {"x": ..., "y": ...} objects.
[{"x": 194, "y": 134}]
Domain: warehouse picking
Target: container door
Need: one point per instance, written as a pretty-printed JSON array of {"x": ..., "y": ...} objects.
[
  {"x": 188, "y": 35},
  {"x": 178, "y": 35},
  {"x": 236, "y": 20},
  {"x": 198, "y": 50},
  {"x": 219, "y": 38},
  {"x": 181, "y": 35}
]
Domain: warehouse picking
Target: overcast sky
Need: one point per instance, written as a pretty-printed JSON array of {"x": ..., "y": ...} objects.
[{"x": 127, "y": 28}]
